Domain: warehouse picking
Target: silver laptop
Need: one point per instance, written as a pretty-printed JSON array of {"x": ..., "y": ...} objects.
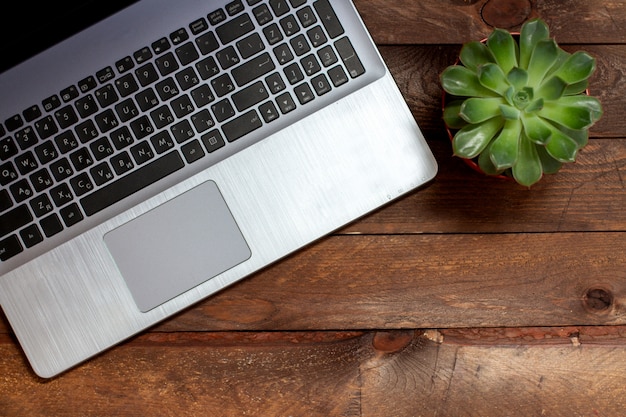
[{"x": 176, "y": 147}]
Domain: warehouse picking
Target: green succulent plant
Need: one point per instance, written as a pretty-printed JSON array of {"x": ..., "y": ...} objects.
[{"x": 518, "y": 104}]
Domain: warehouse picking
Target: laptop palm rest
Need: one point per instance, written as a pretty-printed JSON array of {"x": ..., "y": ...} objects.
[{"x": 177, "y": 246}]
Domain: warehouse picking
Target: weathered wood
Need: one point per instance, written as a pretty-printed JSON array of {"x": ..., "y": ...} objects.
[
  {"x": 457, "y": 21},
  {"x": 512, "y": 372}
]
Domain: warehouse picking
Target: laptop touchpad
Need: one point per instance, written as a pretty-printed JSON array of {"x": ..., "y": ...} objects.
[{"x": 176, "y": 246}]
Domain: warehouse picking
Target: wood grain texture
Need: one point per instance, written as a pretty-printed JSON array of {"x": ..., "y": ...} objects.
[
  {"x": 499, "y": 372},
  {"x": 457, "y": 21},
  {"x": 472, "y": 297}
]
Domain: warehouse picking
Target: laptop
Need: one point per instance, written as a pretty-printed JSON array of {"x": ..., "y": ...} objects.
[{"x": 161, "y": 151}]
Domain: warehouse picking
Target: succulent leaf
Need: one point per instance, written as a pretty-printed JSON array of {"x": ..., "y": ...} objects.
[
  {"x": 528, "y": 169},
  {"x": 486, "y": 164},
  {"x": 504, "y": 49},
  {"x": 552, "y": 88},
  {"x": 581, "y": 137},
  {"x": 549, "y": 165},
  {"x": 451, "y": 115},
  {"x": 518, "y": 78},
  {"x": 578, "y": 67},
  {"x": 574, "y": 112},
  {"x": 544, "y": 56},
  {"x": 491, "y": 76},
  {"x": 561, "y": 147},
  {"x": 460, "y": 81},
  {"x": 536, "y": 129},
  {"x": 505, "y": 146},
  {"x": 577, "y": 88},
  {"x": 474, "y": 138},
  {"x": 509, "y": 112},
  {"x": 520, "y": 105},
  {"x": 532, "y": 32},
  {"x": 474, "y": 54},
  {"x": 479, "y": 109}
]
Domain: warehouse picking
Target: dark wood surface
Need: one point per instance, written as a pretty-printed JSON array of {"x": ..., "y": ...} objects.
[{"x": 472, "y": 297}]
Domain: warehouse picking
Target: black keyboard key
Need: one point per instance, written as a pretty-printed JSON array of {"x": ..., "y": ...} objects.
[
  {"x": 223, "y": 110},
  {"x": 268, "y": 111},
  {"x": 329, "y": 18},
  {"x": 126, "y": 110},
  {"x": 202, "y": 95},
  {"x": 290, "y": 25},
  {"x": 161, "y": 142},
  {"x": 202, "y": 121},
  {"x": 262, "y": 14},
  {"x": 26, "y": 137},
  {"x": 167, "y": 89},
  {"x": 241, "y": 125},
  {"x": 106, "y": 120},
  {"x": 179, "y": 36},
  {"x": 253, "y": 69},
  {"x": 166, "y": 64},
  {"x": 126, "y": 85},
  {"x": 192, "y": 151},
  {"x": 61, "y": 169},
  {"x": 142, "y": 55},
  {"x": 41, "y": 205},
  {"x": 141, "y": 127},
  {"x": 198, "y": 26},
  {"x": 81, "y": 184},
  {"x": 105, "y": 74},
  {"x": 86, "y": 131},
  {"x": 227, "y": 57},
  {"x": 15, "y": 219},
  {"x": 146, "y": 74},
  {"x": 8, "y": 148},
  {"x": 31, "y": 113},
  {"x": 337, "y": 76},
  {"x": 280, "y": 7},
  {"x": 51, "y": 103},
  {"x": 285, "y": 103},
  {"x": 250, "y": 45},
  {"x": 187, "y": 78},
  {"x": 31, "y": 235},
  {"x": 69, "y": 93},
  {"x": 235, "y": 28},
  {"x": 207, "y": 68},
  {"x": 10, "y": 247},
  {"x": 303, "y": 93},
  {"x": 273, "y": 34},
  {"x": 101, "y": 148},
  {"x": 8, "y": 173},
  {"x": 122, "y": 163},
  {"x": 349, "y": 57},
  {"x": 21, "y": 190},
  {"x": 46, "y": 152},
  {"x": 26, "y": 162},
  {"x": 71, "y": 214},
  {"x": 101, "y": 173},
  {"x": 14, "y": 122},
  {"x": 187, "y": 53},
  {"x": 124, "y": 64},
  {"x": 146, "y": 99},
  {"x": 133, "y": 182},
  {"x": 160, "y": 46},
  {"x": 212, "y": 140},
  {"x": 234, "y": 7},
  {"x": 86, "y": 106},
  {"x": 66, "y": 141},
  {"x": 321, "y": 85},
  {"x": 51, "y": 225},
  {"x": 41, "y": 180},
  {"x": 216, "y": 16},
  {"x": 207, "y": 43},
  {"x": 5, "y": 200},
  {"x": 142, "y": 152},
  {"x": 306, "y": 16},
  {"x": 65, "y": 116},
  {"x": 46, "y": 127},
  {"x": 87, "y": 84},
  {"x": 106, "y": 95},
  {"x": 182, "y": 131},
  {"x": 61, "y": 195},
  {"x": 250, "y": 96}
]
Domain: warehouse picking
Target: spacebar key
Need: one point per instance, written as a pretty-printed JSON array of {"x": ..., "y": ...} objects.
[{"x": 132, "y": 183}]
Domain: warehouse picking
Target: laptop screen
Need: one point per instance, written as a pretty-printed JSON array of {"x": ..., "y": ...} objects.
[{"x": 29, "y": 27}]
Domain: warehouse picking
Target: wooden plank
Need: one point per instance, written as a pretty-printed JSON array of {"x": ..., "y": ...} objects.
[
  {"x": 427, "y": 22},
  {"x": 512, "y": 372},
  {"x": 417, "y": 68},
  {"x": 588, "y": 195},
  {"x": 433, "y": 281}
]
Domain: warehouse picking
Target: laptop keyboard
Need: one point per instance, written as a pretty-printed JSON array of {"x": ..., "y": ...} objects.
[{"x": 190, "y": 94}]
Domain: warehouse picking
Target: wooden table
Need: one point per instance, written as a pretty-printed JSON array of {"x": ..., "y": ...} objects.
[{"x": 473, "y": 297}]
